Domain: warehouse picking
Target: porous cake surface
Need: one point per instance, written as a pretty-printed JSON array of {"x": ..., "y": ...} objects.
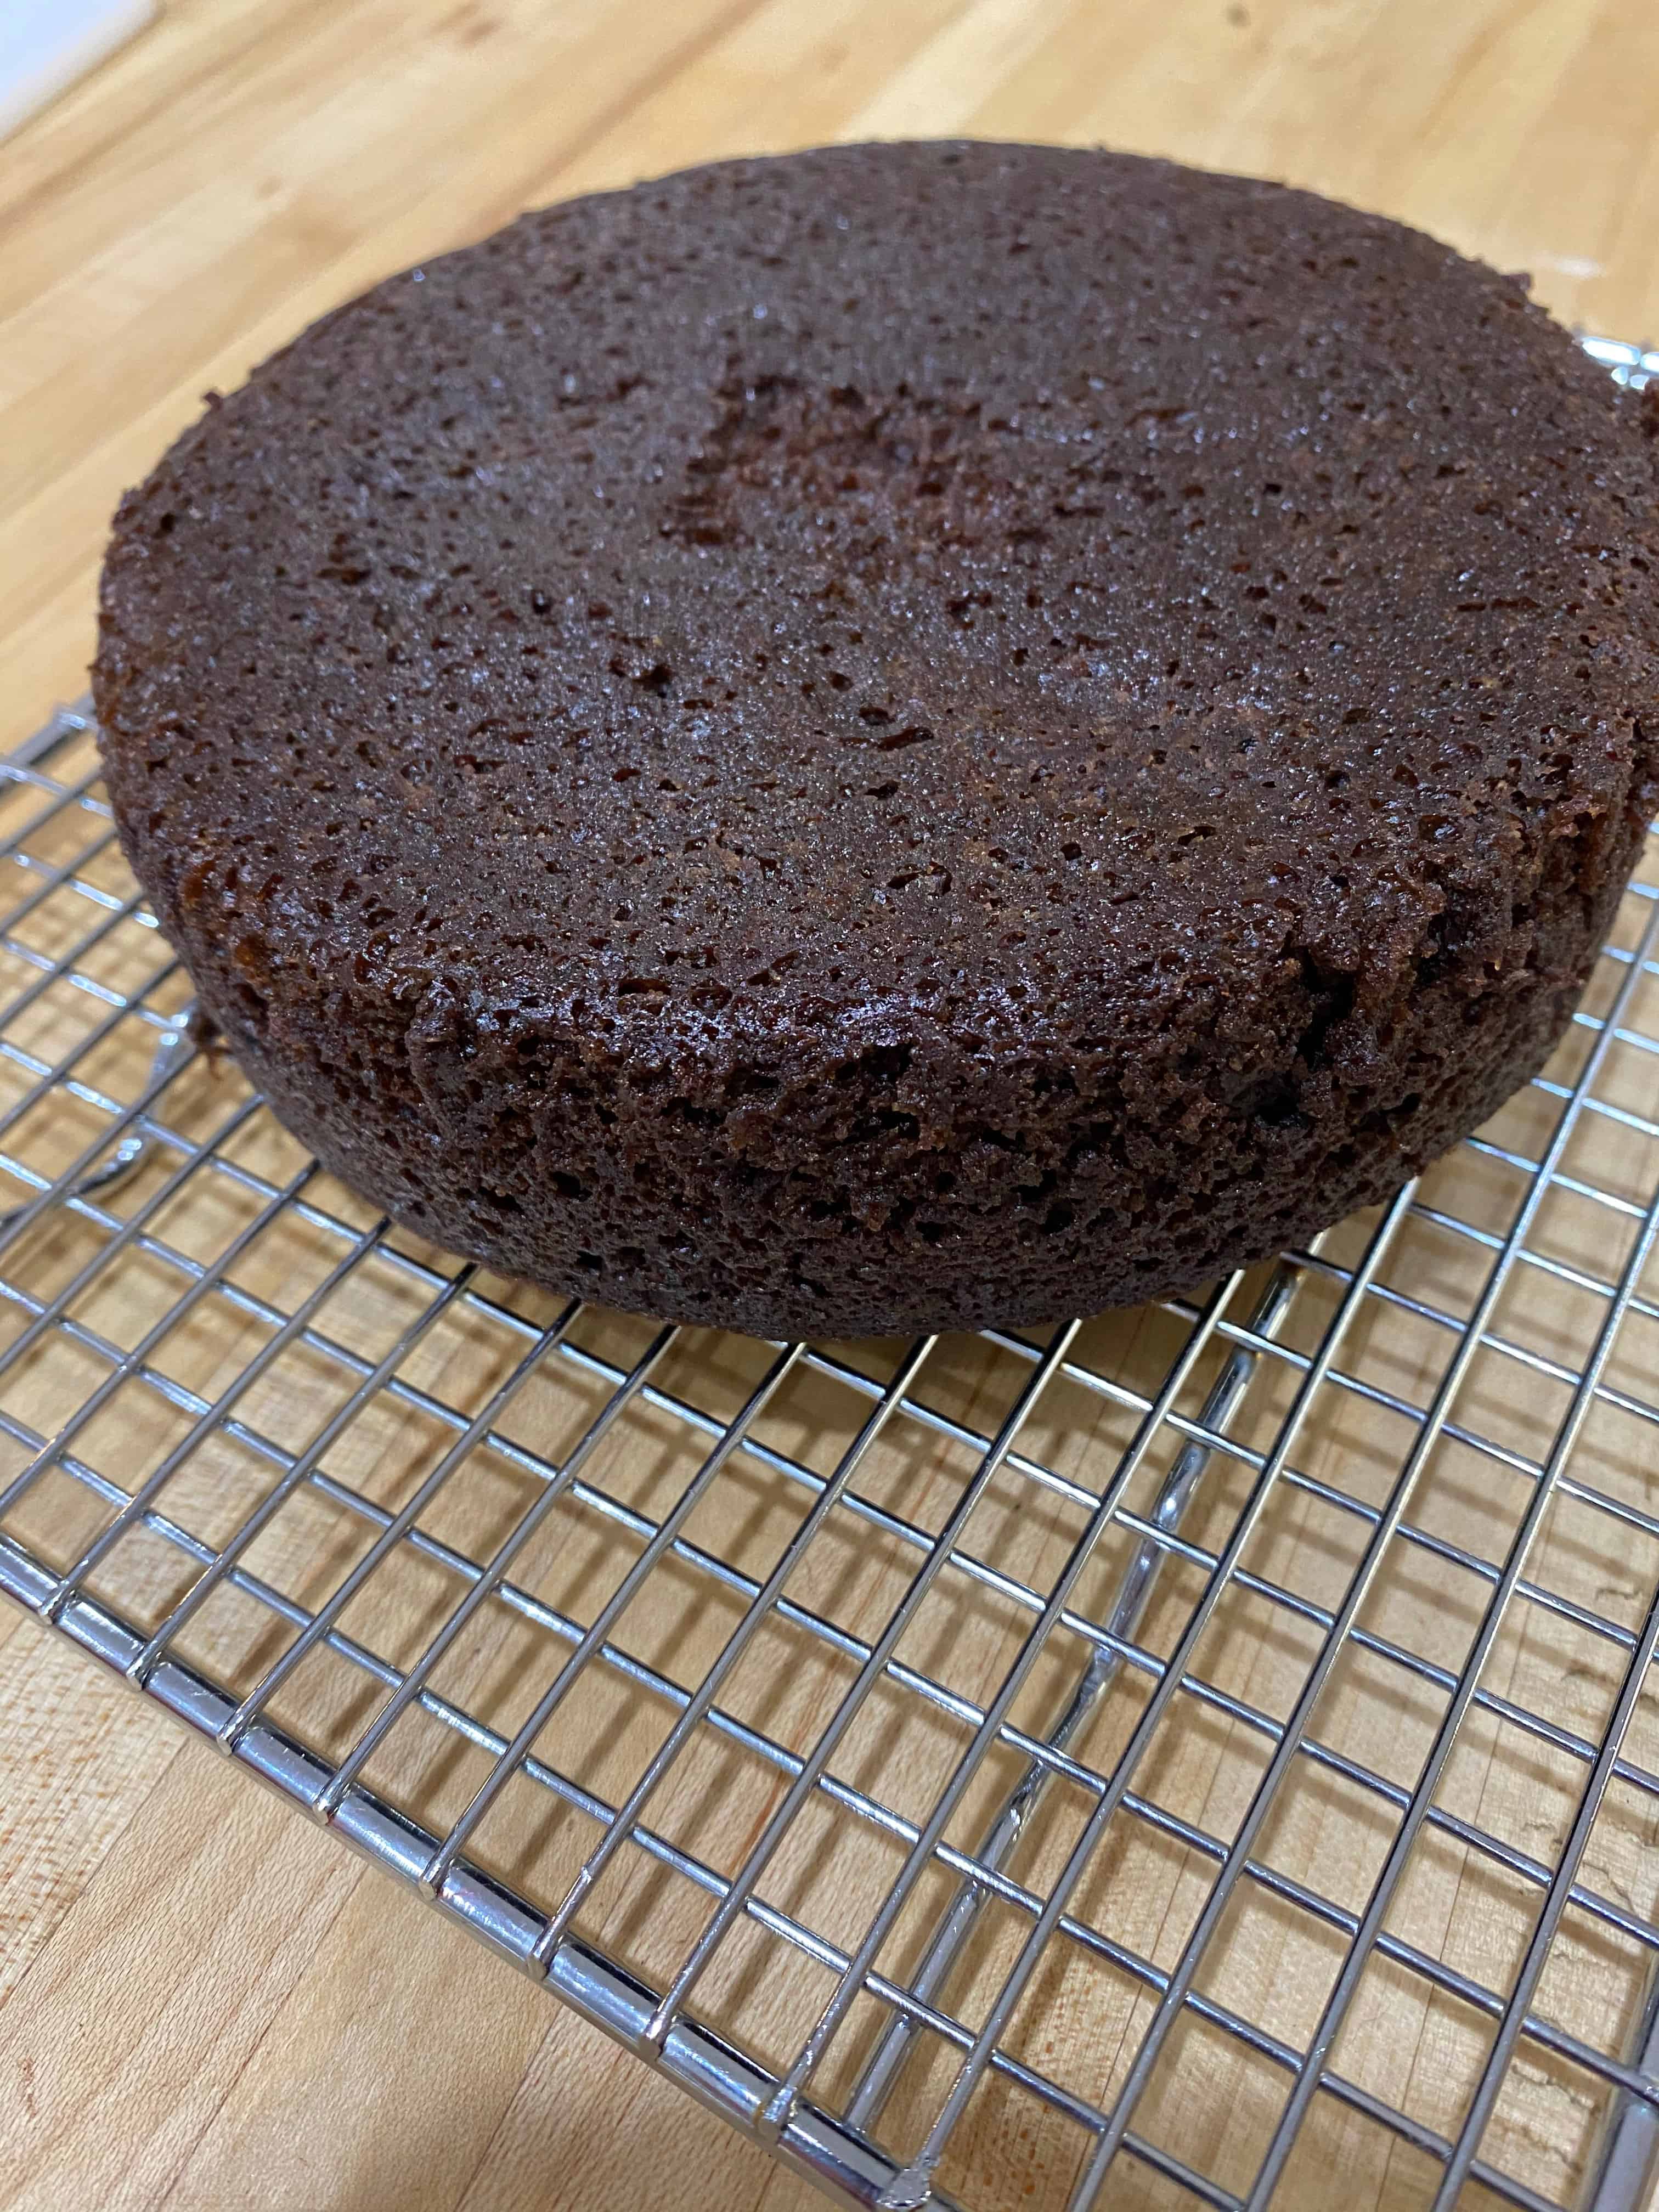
[{"x": 898, "y": 736}]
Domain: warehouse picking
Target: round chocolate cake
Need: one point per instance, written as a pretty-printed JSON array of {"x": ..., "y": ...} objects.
[{"x": 903, "y": 737}]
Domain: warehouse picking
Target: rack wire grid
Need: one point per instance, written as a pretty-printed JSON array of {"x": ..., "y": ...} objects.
[{"x": 1200, "y": 1755}]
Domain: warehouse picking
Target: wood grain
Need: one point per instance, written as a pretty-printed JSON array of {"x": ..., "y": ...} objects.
[{"x": 202, "y": 2004}]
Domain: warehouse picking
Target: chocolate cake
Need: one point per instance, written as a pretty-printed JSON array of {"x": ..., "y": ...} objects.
[{"x": 901, "y": 737}]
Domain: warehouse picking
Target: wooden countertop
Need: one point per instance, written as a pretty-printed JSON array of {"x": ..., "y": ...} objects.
[{"x": 206, "y": 2003}]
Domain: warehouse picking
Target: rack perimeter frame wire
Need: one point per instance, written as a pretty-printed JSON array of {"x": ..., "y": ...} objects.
[{"x": 1177, "y": 1428}]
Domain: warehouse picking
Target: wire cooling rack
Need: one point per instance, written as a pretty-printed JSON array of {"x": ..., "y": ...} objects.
[{"x": 1204, "y": 1756}]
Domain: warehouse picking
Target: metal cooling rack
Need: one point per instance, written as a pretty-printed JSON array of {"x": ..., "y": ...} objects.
[{"x": 1206, "y": 1755}]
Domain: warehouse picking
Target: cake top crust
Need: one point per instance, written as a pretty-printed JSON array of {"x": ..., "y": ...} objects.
[{"x": 897, "y": 589}]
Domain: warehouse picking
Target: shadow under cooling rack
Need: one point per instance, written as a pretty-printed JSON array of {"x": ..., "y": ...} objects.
[{"x": 1204, "y": 1755}]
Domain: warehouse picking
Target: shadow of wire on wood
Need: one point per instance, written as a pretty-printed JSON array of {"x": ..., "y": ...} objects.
[{"x": 1206, "y": 1755}]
